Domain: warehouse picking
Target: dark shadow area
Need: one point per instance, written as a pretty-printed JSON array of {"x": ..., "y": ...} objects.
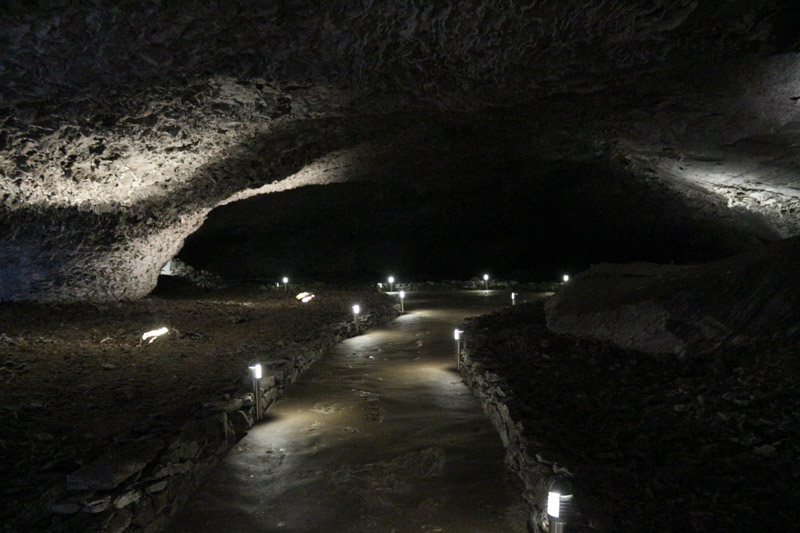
[{"x": 530, "y": 220}]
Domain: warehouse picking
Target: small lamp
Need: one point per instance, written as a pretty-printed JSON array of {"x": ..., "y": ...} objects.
[
  {"x": 391, "y": 283},
  {"x": 402, "y": 297},
  {"x": 513, "y": 298},
  {"x": 486, "y": 282},
  {"x": 565, "y": 278},
  {"x": 356, "y": 311},
  {"x": 457, "y": 336},
  {"x": 285, "y": 284},
  {"x": 255, "y": 376},
  {"x": 559, "y": 503}
]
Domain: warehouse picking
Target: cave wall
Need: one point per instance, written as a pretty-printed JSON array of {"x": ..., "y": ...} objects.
[{"x": 124, "y": 124}]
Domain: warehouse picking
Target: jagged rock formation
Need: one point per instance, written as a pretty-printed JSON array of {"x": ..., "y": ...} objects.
[
  {"x": 748, "y": 300},
  {"x": 123, "y": 125}
]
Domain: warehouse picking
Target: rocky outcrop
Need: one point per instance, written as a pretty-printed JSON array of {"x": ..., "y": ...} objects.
[{"x": 668, "y": 309}]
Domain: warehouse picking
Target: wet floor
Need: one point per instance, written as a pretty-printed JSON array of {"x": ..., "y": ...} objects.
[{"x": 380, "y": 435}]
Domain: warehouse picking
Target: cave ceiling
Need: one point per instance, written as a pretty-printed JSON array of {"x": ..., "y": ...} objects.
[{"x": 125, "y": 123}]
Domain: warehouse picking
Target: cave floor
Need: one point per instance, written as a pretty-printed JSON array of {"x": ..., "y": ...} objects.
[
  {"x": 75, "y": 378},
  {"x": 708, "y": 443},
  {"x": 380, "y": 435}
]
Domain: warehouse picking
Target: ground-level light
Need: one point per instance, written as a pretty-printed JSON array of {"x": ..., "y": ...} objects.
[
  {"x": 457, "y": 336},
  {"x": 305, "y": 297},
  {"x": 559, "y": 502},
  {"x": 356, "y": 311},
  {"x": 151, "y": 335},
  {"x": 402, "y": 297},
  {"x": 513, "y": 298},
  {"x": 285, "y": 283},
  {"x": 486, "y": 282},
  {"x": 255, "y": 377},
  {"x": 391, "y": 283}
]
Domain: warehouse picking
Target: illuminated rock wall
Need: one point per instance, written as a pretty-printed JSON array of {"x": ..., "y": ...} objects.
[{"x": 123, "y": 125}]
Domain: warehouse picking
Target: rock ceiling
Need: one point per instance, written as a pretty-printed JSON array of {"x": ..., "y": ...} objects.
[{"x": 125, "y": 123}]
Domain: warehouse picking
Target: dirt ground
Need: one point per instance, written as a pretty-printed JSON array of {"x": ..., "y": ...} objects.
[
  {"x": 669, "y": 445},
  {"x": 76, "y": 377}
]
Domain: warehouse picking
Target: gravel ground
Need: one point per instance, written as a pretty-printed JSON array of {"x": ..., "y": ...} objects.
[
  {"x": 709, "y": 444},
  {"x": 76, "y": 378}
]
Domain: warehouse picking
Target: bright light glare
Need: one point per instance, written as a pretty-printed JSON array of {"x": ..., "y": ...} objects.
[
  {"x": 486, "y": 277},
  {"x": 154, "y": 333},
  {"x": 402, "y": 294},
  {"x": 566, "y": 278},
  {"x": 356, "y": 309},
  {"x": 391, "y": 279},
  {"x": 285, "y": 280},
  {"x": 457, "y": 334},
  {"x": 305, "y": 297},
  {"x": 256, "y": 370},
  {"x": 553, "y": 504}
]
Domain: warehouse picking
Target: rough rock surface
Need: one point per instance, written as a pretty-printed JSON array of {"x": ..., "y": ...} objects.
[
  {"x": 709, "y": 444},
  {"x": 666, "y": 309},
  {"x": 123, "y": 125}
]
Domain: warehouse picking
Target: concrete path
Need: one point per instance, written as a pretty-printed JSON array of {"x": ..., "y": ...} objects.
[{"x": 379, "y": 436}]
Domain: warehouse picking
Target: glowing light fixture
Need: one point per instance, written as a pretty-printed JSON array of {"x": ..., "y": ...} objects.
[
  {"x": 391, "y": 283},
  {"x": 457, "y": 336},
  {"x": 402, "y": 297},
  {"x": 152, "y": 335},
  {"x": 356, "y": 311},
  {"x": 513, "y": 298},
  {"x": 559, "y": 501},
  {"x": 285, "y": 283},
  {"x": 305, "y": 297},
  {"x": 486, "y": 282},
  {"x": 565, "y": 278},
  {"x": 255, "y": 377}
]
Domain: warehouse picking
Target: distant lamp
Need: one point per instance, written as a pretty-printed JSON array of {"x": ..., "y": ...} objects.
[
  {"x": 513, "y": 298},
  {"x": 305, "y": 297},
  {"x": 559, "y": 503},
  {"x": 285, "y": 284},
  {"x": 391, "y": 283},
  {"x": 255, "y": 377},
  {"x": 457, "y": 336},
  {"x": 486, "y": 282},
  {"x": 402, "y": 297},
  {"x": 356, "y": 311},
  {"x": 566, "y": 278},
  {"x": 152, "y": 335}
]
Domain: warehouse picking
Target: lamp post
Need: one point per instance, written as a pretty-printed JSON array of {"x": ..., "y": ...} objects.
[
  {"x": 486, "y": 282},
  {"x": 402, "y": 297},
  {"x": 255, "y": 376},
  {"x": 559, "y": 502},
  {"x": 285, "y": 284},
  {"x": 513, "y": 298},
  {"x": 356, "y": 311},
  {"x": 457, "y": 336},
  {"x": 565, "y": 278},
  {"x": 391, "y": 283}
]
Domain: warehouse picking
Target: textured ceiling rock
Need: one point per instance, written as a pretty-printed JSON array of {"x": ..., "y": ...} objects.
[{"x": 123, "y": 124}]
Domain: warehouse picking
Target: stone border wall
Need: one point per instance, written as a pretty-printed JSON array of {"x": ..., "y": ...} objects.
[
  {"x": 138, "y": 485},
  {"x": 497, "y": 400}
]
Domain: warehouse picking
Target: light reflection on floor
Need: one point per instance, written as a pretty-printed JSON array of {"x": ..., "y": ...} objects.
[{"x": 380, "y": 435}]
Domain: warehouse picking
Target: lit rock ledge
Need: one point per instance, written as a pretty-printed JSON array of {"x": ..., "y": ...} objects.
[{"x": 746, "y": 300}]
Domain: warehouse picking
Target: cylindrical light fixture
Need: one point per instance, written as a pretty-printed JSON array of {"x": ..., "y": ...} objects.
[
  {"x": 457, "y": 336},
  {"x": 402, "y": 297},
  {"x": 513, "y": 298},
  {"x": 356, "y": 311},
  {"x": 559, "y": 504},
  {"x": 255, "y": 377}
]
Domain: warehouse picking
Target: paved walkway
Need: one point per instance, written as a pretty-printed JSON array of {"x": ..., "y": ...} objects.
[{"x": 379, "y": 436}]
